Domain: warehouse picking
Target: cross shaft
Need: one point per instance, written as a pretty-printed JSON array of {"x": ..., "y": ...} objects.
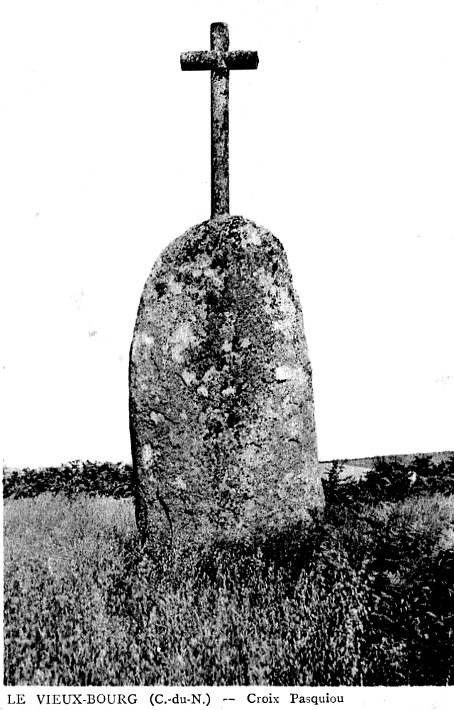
[{"x": 219, "y": 60}]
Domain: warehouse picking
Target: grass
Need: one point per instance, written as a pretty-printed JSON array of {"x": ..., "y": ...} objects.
[{"x": 363, "y": 597}]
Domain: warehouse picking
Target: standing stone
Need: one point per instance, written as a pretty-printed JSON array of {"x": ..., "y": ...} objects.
[{"x": 221, "y": 402}]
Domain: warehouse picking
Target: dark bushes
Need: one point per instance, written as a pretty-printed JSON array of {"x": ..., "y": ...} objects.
[
  {"x": 71, "y": 479},
  {"x": 389, "y": 481}
]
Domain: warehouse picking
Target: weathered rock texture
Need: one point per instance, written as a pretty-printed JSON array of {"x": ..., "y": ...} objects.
[{"x": 221, "y": 404}]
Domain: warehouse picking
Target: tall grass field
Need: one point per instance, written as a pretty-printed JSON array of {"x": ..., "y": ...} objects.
[{"x": 362, "y": 596}]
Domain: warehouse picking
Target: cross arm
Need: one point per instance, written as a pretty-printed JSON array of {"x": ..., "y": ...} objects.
[
  {"x": 240, "y": 59},
  {"x": 199, "y": 61},
  {"x": 196, "y": 61}
]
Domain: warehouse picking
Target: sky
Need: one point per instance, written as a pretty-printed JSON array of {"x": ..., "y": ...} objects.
[{"x": 341, "y": 143}]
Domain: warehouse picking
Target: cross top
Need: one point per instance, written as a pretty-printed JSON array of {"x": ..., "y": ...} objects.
[{"x": 219, "y": 60}]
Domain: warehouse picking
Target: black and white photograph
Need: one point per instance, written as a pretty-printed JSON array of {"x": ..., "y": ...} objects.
[{"x": 228, "y": 353}]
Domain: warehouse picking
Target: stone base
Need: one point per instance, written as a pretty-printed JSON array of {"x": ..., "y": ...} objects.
[{"x": 221, "y": 402}]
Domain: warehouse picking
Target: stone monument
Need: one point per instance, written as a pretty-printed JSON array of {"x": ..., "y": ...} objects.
[{"x": 221, "y": 403}]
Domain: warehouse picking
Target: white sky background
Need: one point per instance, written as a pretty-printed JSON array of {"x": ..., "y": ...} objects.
[{"x": 341, "y": 143}]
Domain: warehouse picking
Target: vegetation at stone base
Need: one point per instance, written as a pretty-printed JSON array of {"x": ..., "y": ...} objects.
[{"x": 363, "y": 597}]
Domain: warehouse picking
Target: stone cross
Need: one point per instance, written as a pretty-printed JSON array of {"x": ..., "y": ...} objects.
[{"x": 219, "y": 61}]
